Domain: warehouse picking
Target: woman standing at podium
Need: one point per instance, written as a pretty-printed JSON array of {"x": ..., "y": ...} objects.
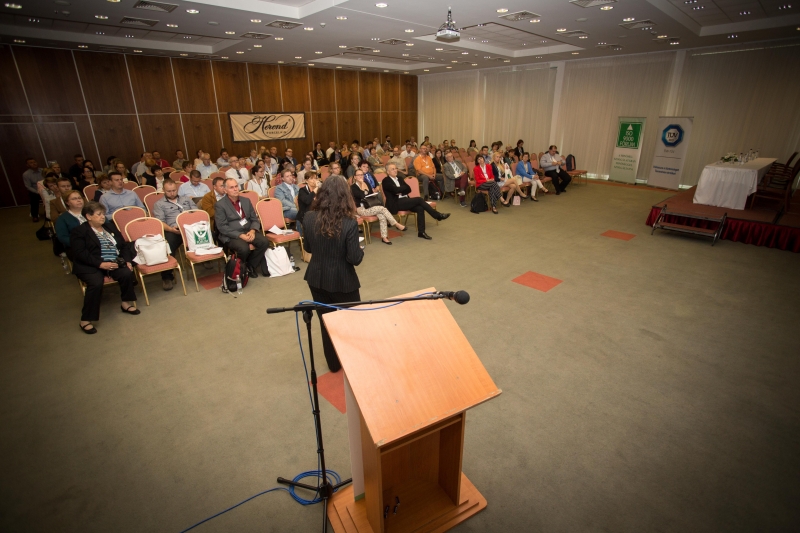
[{"x": 331, "y": 237}]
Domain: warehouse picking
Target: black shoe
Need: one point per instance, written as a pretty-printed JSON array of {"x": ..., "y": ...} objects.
[
  {"x": 463, "y": 204},
  {"x": 405, "y": 228},
  {"x": 90, "y": 331},
  {"x": 386, "y": 242},
  {"x": 564, "y": 189},
  {"x": 252, "y": 272},
  {"x": 558, "y": 192},
  {"x": 296, "y": 268},
  {"x": 264, "y": 269},
  {"x": 444, "y": 216},
  {"x": 423, "y": 235}
]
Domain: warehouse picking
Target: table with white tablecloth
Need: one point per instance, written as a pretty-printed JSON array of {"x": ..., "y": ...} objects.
[{"x": 729, "y": 184}]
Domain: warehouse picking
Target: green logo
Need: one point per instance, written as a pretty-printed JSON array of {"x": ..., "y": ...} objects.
[{"x": 629, "y": 135}]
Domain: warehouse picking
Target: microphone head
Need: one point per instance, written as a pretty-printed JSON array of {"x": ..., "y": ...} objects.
[{"x": 461, "y": 297}]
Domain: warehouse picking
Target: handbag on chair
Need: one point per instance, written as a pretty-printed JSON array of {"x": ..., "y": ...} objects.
[{"x": 151, "y": 250}]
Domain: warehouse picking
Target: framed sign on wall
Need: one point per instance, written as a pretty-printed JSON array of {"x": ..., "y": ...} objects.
[{"x": 267, "y": 126}]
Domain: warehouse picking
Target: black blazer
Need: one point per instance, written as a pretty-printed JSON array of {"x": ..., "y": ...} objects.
[
  {"x": 304, "y": 199},
  {"x": 86, "y": 248},
  {"x": 390, "y": 190},
  {"x": 333, "y": 260},
  {"x": 358, "y": 194},
  {"x": 497, "y": 171},
  {"x": 147, "y": 179}
]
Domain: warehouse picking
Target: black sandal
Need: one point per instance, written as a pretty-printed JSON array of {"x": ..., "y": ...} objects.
[
  {"x": 90, "y": 331},
  {"x": 494, "y": 210},
  {"x": 130, "y": 310}
]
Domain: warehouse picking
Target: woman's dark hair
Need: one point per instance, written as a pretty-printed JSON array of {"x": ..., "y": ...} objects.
[
  {"x": 110, "y": 158},
  {"x": 551, "y": 147},
  {"x": 526, "y": 153},
  {"x": 333, "y": 202},
  {"x": 473, "y": 143},
  {"x": 91, "y": 208},
  {"x": 90, "y": 163},
  {"x": 520, "y": 142},
  {"x": 479, "y": 156}
]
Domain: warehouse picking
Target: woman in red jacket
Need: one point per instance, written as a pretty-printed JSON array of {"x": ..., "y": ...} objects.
[{"x": 484, "y": 181}]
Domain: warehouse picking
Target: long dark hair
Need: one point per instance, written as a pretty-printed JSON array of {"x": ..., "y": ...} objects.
[{"x": 333, "y": 202}]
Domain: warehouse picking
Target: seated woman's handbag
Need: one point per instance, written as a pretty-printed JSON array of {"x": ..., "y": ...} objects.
[
  {"x": 151, "y": 250},
  {"x": 373, "y": 200}
]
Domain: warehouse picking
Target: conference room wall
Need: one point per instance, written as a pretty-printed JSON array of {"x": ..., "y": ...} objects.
[{"x": 55, "y": 103}]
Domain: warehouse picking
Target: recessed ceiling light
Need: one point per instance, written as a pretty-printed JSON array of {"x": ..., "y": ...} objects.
[
  {"x": 280, "y": 62},
  {"x": 538, "y": 57},
  {"x": 317, "y": 52},
  {"x": 298, "y": 57},
  {"x": 187, "y": 36},
  {"x": 409, "y": 31},
  {"x": 439, "y": 49},
  {"x": 381, "y": 4},
  {"x": 698, "y": 8},
  {"x": 690, "y": 1},
  {"x": 20, "y": 41},
  {"x": 583, "y": 37},
  {"x": 213, "y": 23},
  {"x": 506, "y": 61},
  {"x": 230, "y": 33},
  {"x": 256, "y": 46},
  {"x": 99, "y": 33},
  {"x": 184, "y": 55},
  {"x": 172, "y": 25},
  {"x": 309, "y": 28},
  {"x": 448, "y": 67},
  {"x": 484, "y": 41},
  {"x": 574, "y": 53},
  {"x": 487, "y": 57},
  {"x": 409, "y": 44},
  {"x": 82, "y": 46},
  {"x": 239, "y": 52},
  {"x": 363, "y": 68},
  {"x": 561, "y": 29},
  {"x": 786, "y": 6},
  {"x": 732, "y": 36},
  {"x": 342, "y": 46},
  {"x": 13, "y": 6},
  {"x": 138, "y": 51},
  {"x": 311, "y": 64},
  {"x": 340, "y": 17},
  {"x": 376, "y": 39},
  {"x": 405, "y": 55},
  {"x": 101, "y": 17},
  {"x": 192, "y": 11},
  {"x": 598, "y": 44},
  {"x": 257, "y": 21},
  {"x": 606, "y": 8},
  {"x": 481, "y": 25},
  {"x": 338, "y": 67},
  {"x": 425, "y": 70},
  {"x": 376, "y": 51},
  {"x": 224, "y": 57},
  {"x": 628, "y": 19},
  {"x": 464, "y": 53},
  {"x": 744, "y": 13},
  {"x": 534, "y": 21},
  {"x": 474, "y": 64},
  {"x": 544, "y": 41},
  {"x": 278, "y": 38},
  {"x": 502, "y": 10},
  {"x": 112, "y": 1},
  {"x": 129, "y": 36},
  {"x": 386, "y": 71},
  {"x": 406, "y": 72},
  {"x": 454, "y": 61}
]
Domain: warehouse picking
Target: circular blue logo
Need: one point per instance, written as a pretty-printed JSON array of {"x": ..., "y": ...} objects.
[{"x": 672, "y": 135}]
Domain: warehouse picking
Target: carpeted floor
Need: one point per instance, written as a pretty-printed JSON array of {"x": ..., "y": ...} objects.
[{"x": 653, "y": 389}]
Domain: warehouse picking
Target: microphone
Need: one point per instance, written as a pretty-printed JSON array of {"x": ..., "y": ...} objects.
[{"x": 460, "y": 297}]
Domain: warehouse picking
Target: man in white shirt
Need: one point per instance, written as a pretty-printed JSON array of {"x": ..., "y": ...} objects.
[
  {"x": 194, "y": 188},
  {"x": 330, "y": 150},
  {"x": 551, "y": 163},
  {"x": 408, "y": 152},
  {"x": 237, "y": 172},
  {"x": 223, "y": 160},
  {"x": 400, "y": 162},
  {"x": 207, "y": 168}
]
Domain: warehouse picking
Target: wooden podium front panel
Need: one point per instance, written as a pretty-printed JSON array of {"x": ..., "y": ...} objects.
[{"x": 411, "y": 368}]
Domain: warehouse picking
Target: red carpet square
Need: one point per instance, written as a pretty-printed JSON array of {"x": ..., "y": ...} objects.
[
  {"x": 389, "y": 233},
  {"x": 331, "y": 387},
  {"x": 540, "y": 282},
  {"x": 210, "y": 282},
  {"x": 618, "y": 235}
]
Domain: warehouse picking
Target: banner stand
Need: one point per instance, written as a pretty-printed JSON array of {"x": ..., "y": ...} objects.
[
  {"x": 628, "y": 148},
  {"x": 670, "y": 152}
]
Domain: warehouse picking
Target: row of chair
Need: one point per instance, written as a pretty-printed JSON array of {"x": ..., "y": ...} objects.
[{"x": 777, "y": 185}]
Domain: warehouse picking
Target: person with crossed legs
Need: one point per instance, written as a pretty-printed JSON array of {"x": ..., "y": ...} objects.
[
  {"x": 238, "y": 226},
  {"x": 397, "y": 199}
]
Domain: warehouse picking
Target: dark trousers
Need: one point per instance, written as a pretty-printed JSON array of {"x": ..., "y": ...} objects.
[
  {"x": 326, "y": 297},
  {"x": 94, "y": 289},
  {"x": 243, "y": 252},
  {"x": 175, "y": 241},
  {"x": 560, "y": 178},
  {"x": 35, "y": 199},
  {"x": 418, "y": 206}
]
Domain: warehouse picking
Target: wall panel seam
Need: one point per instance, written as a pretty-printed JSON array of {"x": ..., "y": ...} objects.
[
  {"x": 310, "y": 108},
  {"x": 178, "y": 101},
  {"x": 135, "y": 109},
  {"x": 336, "y": 109},
  {"x": 216, "y": 103},
  {"x": 30, "y": 109}
]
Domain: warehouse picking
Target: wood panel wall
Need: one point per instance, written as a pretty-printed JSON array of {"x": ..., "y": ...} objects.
[{"x": 57, "y": 103}]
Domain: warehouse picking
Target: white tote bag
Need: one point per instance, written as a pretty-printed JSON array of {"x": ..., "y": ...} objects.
[
  {"x": 278, "y": 262},
  {"x": 151, "y": 250},
  {"x": 198, "y": 239}
]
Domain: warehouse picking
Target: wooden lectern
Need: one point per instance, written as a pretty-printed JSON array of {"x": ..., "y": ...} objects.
[{"x": 410, "y": 376}]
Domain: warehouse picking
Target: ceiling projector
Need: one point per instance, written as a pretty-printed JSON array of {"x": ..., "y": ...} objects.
[{"x": 448, "y": 31}]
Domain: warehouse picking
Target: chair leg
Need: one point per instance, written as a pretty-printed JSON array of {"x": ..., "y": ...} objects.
[
  {"x": 180, "y": 273},
  {"x": 194, "y": 275},
  {"x": 144, "y": 289}
]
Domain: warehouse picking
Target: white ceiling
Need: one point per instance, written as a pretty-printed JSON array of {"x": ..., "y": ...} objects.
[{"x": 488, "y": 38}]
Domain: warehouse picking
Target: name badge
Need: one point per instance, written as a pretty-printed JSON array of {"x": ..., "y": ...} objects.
[{"x": 243, "y": 222}]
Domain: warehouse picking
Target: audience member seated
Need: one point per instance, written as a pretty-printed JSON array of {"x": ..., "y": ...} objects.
[
  {"x": 484, "y": 181},
  {"x": 273, "y": 161},
  {"x": 118, "y": 197},
  {"x": 505, "y": 178},
  {"x": 259, "y": 183},
  {"x": 237, "y": 172},
  {"x": 206, "y": 167},
  {"x": 253, "y": 158},
  {"x": 194, "y": 188},
  {"x": 154, "y": 178},
  {"x": 308, "y": 166},
  {"x": 551, "y": 163},
  {"x": 141, "y": 166},
  {"x": 209, "y": 201},
  {"x": 330, "y": 151},
  {"x": 239, "y": 227},
  {"x": 528, "y": 174},
  {"x": 167, "y": 209},
  {"x": 99, "y": 251},
  {"x": 438, "y": 163},
  {"x": 409, "y": 151},
  {"x": 119, "y": 166},
  {"x": 87, "y": 178},
  {"x": 456, "y": 175},
  {"x": 287, "y": 157},
  {"x": 55, "y": 168},
  {"x": 396, "y": 192},
  {"x": 335, "y": 169},
  {"x": 425, "y": 169},
  {"x": 306, "y": 195},
  {"x": 64, "y": 225},
  {"x": 31, "y": 178},
  {"x": 199, "y": 159},
  {"x": 103, "y": 186},
  {"x": 484, "y": 151},
  {"x": 163, "y": 163},
  {"x": 472, "y": 150},
  {"x": 354, "y": 162},
  {"x": 360, "y": 189},
  {"x": 369, "y": 177},
  {"x": 57, "y": 205},
  {"x": 286, "y": 192},
  {"x": 520, "y": 149},
  {"x": 319, "y": 155},
  {"x": 179, "y": 159},
  {"x": 76, "y": 169},
  {"x": 182, "y": 175},
  {"x": 399, "y": 161},
  {"x": 223, "y": 160}
]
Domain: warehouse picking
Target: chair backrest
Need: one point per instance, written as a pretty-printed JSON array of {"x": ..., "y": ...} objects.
[
  {"x": 88, "y": 192},
  {"x": 216, "y": 175},
  {"x": 789, "y": 161},
  {"x": 223, "y": 170},
  {"x": 414, "y": 184},
  {"x": 379, "y": 176},
  {"x": 140, "y": 227},
  {"x": 188, "y": 218},
  {"x": 539, "y": 157},
  {"x": 124, "y": 215},
  {"x": 271, "y": 192},
  {"x": 151, "y": 199},
  {"x": 385, "y": 159},
  {"x": 209, "y": 183},
  {"x": 142, "y": 191},
  {"x": 270, "y": 213},
  {"x": 250, "y": 195},
  {"x": 324, "y": 172},
  {"x": 130, "y": 185},
  {"x": 408, "y": 162}
]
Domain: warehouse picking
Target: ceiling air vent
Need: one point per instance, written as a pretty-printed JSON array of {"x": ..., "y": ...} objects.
[
  {"x": 393, "y": 41},
  {"x": 254, "y": 35},
  {"x": 205, "y": 56},
  {"x": 637, "y": 24},
  {"x": 110, "y": 49},
  {"x": 283, "y": 24},
  {"x": 591, "y": 3},
  {"x": 359, "y": 49},
  {"x": 133, "y": 21},
  {"x": 574, "y": 33},
  {"x": 155, "y": 6},
  {"x": 520, "y": 15}
]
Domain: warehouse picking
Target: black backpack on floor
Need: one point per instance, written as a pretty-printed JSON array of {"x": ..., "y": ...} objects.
[
  {"x": 234, "y": 268},
  {"x": 478, "y": 203}
]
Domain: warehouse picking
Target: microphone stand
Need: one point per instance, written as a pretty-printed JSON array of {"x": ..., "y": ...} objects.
[{"x": 325, "y": 489}]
